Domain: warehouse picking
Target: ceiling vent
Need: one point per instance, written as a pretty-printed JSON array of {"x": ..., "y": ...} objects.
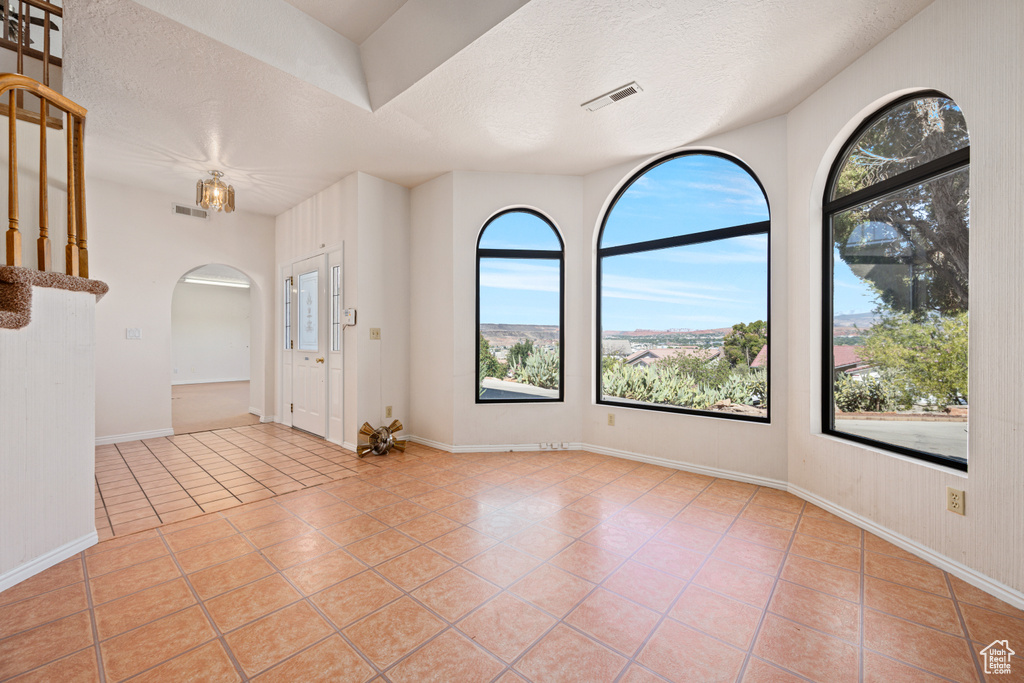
[
  {"x": 614, "y": 96},
  {"x": 194, "y": 212}
]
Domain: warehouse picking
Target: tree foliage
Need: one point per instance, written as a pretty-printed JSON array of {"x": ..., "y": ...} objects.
[
  {"x": 519, "y": 352},
  {"x": 489, "y": 365},
  {"x": 745, "y": 341},
  {"x": 929, "y": 354},
  {"x": 911, "y": 245}
]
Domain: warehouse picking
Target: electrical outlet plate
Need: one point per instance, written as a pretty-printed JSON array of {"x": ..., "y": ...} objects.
[
  {"x": 374, "y": 333},
  {"x": 387, "y": 412},
  {"x": 955, "y": 501},
  {"x": 611, "y": 419}
]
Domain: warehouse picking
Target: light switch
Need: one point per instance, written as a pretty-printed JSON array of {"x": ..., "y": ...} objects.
[{"x": 133, "y": 333}]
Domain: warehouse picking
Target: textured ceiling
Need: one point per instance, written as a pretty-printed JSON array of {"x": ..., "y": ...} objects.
[
  {"x": 354, "y": 19},
  {"x": 166, "y": 103}
]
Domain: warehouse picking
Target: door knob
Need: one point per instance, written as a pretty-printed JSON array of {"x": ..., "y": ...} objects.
[{"x": 319, "y": 360}]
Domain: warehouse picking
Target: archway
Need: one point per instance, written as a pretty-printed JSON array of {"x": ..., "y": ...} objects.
[{"x": 213, "y": 326}]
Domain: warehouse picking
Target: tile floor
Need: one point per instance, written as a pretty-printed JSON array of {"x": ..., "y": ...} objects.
[
  {"x": 504, "y": 567},
  {"x": 142, "y": 484}
]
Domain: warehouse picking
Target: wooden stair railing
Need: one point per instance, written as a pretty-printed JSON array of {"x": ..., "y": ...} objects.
[{"x": 76, "y": 252}]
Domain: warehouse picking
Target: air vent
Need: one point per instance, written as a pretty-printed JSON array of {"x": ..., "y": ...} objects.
[
  {"x": 194, "y": 212},
  {"x": 613, "y": 96}
]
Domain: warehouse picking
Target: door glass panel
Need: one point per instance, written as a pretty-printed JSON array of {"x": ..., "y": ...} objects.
[
  {"x": 336, "y": 308},
  {"x": 309, "y": 330},
  {"x": 287, "y": 313}
]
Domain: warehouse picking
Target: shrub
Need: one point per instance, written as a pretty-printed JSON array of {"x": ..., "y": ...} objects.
[{"x": 540, "y": 369}]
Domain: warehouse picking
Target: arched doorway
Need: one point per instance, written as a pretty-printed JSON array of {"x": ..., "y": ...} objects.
[{"x": 212, "y": 323}]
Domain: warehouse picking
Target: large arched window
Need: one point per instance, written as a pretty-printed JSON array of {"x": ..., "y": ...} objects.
[
  {"x": 520, "y": 277},
  {"x": 896, "y": 220},
  {"x": 683, "y": 290}
]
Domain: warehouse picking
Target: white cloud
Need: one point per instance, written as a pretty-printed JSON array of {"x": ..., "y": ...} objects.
[
  {"x": 523, "y": 275},
  {"x": 666, "y": 291}
]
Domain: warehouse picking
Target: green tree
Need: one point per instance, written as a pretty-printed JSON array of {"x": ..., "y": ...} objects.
[
  {"x": 912, "y": 245},
  {"x": 489, "y": 365},
  {"x": 698, "y": 370},
  {"x": 519, "y": 352},
  {"x": 745, "y": 341},
  {"x": 929, "y": 354}
]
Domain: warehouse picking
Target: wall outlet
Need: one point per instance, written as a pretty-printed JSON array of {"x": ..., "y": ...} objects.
[
  {"x": 374, "y": 333},
  {"x": 611, "y": 419},
  {"x": 955, "y": 500},
  {"x": 565, "y": 445},
  {"x": 387, "y": 412}
]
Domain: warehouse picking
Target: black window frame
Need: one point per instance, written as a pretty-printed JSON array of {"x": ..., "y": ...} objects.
[
  {"x": 712, "y": 235},
  {"x": 525, "y": 254},
  {"x": 909, "y": 178}
]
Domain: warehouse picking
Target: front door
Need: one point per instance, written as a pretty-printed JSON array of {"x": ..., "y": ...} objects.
[{"x": 310, "y": 336}]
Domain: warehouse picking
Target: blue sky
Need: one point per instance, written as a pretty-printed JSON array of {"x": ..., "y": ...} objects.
[{"x": 701, "y": 286}]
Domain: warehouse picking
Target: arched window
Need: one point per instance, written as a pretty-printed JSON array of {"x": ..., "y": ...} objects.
[
  {"x": 683, "y": 288},
  {"x": 896, "y": 221},
  {"x": 519, "y": 276}
]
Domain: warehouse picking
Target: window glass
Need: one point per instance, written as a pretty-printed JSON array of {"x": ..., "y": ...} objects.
[
  {"x": 519, "y": 310},
  {"x": 336, "y": 308},
  {"x": 519, "y": 230},
  {"x": 682, "y": 196},
  {"x": 901, "y": 138},
  {"x": 287, "y": 313},
  {"x": 684, "y": 325},
  {"x": 896, "y": 365},
  {"x": 308, "y": 312}
]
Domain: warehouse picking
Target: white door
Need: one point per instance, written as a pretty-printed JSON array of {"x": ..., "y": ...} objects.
[{"x": 310, "y": 335}]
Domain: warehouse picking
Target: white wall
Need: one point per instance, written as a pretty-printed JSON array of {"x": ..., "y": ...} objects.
[
  {"x": 209, "y": 333},
  {"x": 369, "y": 218},
  {"x": 973, "y": 52},
  {"x": 477, "y": 197},
  {"x": 752, "y": 449},
  {"x": 431, "y": 358},
  {"x": 141, "y": 249},
  {"x": 47, "y": 457}
]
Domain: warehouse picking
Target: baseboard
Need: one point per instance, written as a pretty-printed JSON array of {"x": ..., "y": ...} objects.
[
  {"x": 33, "y": 567},
  {"x": 209, "y": 381},
  {"x": 255, "y": 411},
  {"x": 688, "y": 467},
  {"x": 971, "y": 576},
  {"x": 347, "y": 445},
  {"x": 490, "y": 448},
  {"x": 134, "y": 436},
  {"x": 268, "y": 418}
]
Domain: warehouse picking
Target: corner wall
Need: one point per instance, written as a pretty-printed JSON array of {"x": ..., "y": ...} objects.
[
  {"x": 692, "y": 440},
  {"x": 46, "y": 418},
  {"x": 140, "y": 248},
  {"x": 973, "y": 52},
  {"x": 369, "y": 219}
]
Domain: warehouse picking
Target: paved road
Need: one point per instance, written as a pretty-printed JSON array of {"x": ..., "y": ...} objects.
[{"x": 943, "y": 438}]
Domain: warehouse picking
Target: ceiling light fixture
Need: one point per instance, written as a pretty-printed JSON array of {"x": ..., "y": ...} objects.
[
  {"x": 212, "y": 193},
  {"x": 218, "y": 283}
]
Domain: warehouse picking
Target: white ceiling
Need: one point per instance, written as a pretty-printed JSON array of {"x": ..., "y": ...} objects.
[
  {"x": 166, "y": 103},
  {"x": 354, "y": 19}
]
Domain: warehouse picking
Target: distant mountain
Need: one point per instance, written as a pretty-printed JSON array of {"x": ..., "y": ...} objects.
[
  {"x": 718, "y": 332},
  {"x": 507, "y": 335},
  {"x": 861, "y": 320}
]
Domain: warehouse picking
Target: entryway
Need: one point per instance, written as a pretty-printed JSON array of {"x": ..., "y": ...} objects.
[{"x": 212, "y": 328}]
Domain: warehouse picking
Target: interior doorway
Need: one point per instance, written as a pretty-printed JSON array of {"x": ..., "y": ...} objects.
[{"x": 211, "y": 336}]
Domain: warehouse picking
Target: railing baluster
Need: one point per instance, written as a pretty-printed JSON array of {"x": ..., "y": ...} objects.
[
  {"x": 13, "y": 236},
  {"x": 83, "y": 249},
  {"x": 46, "y": 52},
  {"x": 71, "y": 251},
  {"x": 43, "y": 243}
]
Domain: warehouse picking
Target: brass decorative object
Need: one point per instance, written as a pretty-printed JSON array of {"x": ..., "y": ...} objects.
[
  {"x": 380, "y": 440},
  {"x": 213, "y": 193}
]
